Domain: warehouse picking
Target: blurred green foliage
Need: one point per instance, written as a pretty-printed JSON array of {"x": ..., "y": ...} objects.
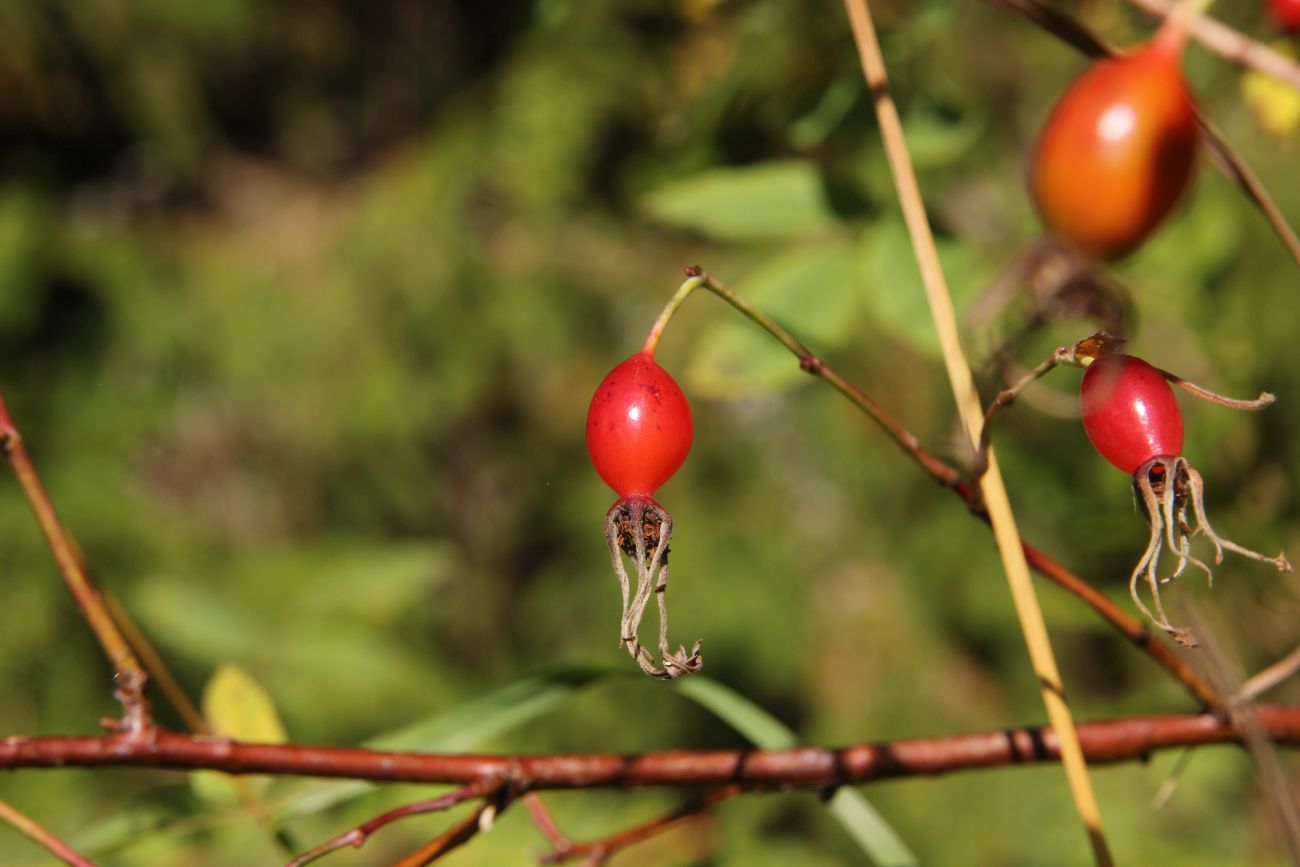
[{"x": 301, "y": 304}]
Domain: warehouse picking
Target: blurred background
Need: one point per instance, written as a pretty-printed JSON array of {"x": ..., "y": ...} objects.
[{"x": 301, "y": 306}]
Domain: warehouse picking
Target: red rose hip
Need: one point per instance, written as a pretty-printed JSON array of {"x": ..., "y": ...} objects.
[
  {"x": 1118, "y": 150},
  {"x": 1130, "y": 412},
  {"x": 639, "y": 427},
  {"x": 1285, "y": 14}
]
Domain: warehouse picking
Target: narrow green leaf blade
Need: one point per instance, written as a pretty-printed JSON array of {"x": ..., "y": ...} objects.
[
  {"x": 866, "y": 826},
  {"x": 456, "y": 729}
]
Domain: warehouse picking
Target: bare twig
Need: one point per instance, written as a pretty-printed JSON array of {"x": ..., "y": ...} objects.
[
  {"x": 358, "y": 835},
  {"x": 30, "y": 829},
  {"x": 129, "y": 675},
  {"x": 545, "y": 822},
  {"x": 453, "y": 838},
  {"x": 596, "y": 851},
  {"x": 1073, "y": 355},
  {"x": 157, "y": 669},
  {"x": 1278, "y": 672}
]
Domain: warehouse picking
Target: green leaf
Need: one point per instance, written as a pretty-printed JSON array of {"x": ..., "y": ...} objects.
[
  {"x": 867, "y": 827},
  {"x": 756, "y": 724},
  {"x": 458, "y": 729},
  {"x": 894, "y": 292},
  {"x": 937, "y": 138},
  {"x": 194, "y": 620},
  {"x": 770, "y": 200},
  {"x": 811, "y": 291}
]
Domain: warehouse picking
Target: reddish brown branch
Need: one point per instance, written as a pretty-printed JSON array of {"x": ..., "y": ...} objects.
[
  {"x": 358, "y": 835},
  {"x": 596, "y": 851},
  {"x": 1108, "y": 741},
  {"x": 545, "y": 822}
]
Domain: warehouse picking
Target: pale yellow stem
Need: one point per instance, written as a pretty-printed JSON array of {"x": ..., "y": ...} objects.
[{"x": 972, "y": 416}]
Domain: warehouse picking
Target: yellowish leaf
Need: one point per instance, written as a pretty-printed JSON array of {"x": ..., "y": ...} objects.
[
  {"x": 236, "y": 706},
  {"x": 1276, "y": 104}
]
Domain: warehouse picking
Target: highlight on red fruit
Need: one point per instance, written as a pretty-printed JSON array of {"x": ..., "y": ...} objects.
[
  {"x": 1118, "y": 150},
  {"x": 639, "y": 427},
  {"x": 1285, "y": 14},
  {"x": 1129, "y": 411},
  {"x": 1132, "y": 417}
]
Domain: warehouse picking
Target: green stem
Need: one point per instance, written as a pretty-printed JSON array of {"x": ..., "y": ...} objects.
[
  {"x": 815, "y": 366},
  {"x": 696, "y": 279}
]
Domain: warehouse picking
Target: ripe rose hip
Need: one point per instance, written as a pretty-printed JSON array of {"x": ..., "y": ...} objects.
[
  {"x": 1131, "y": 416},
  {"x": 1129, "y": 412},
  {"x": 1118, "y": 149},
  {"x": 1285, "y": 14},
  {"x": 638, "y": 433},
  {"x": 639, "y": 427}
]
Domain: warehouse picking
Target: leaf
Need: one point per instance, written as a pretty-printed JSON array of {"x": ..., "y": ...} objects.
[
  {"x": 895, "y": 294},
  {"x": 867, "y": 827},
  {"x": 773, "y": 200},
  {"x": 937, "y": 138},
  {"x": 811, "y": 291},
  {"x": 193, "y": 620},
  {"x": 1276, "y": 104},
  {"x": 236, "y": 706}
]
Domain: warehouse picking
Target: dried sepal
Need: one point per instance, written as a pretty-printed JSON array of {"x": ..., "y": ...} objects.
[
  {"x": 640, "y": 528},
  {"x": 1165, "y": 487}
]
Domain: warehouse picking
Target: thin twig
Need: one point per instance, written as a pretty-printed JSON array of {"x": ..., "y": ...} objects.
[
  {"x": 950, "y": 478},
  {"x": 129, "y": 675},
  {"x": 30, "y": 829},
  {"x": 358, "y": 835},
  {"x": 1231, "y": 45},
  {"x": 453, "y": 838},
  {"x": 597, "y": 851},
  {"x": 1277, "y": 673},
  {"x": 545, "y": 822},
  {"x": 1006, "y": 397},
  {"x": 157, "y": 669},
  {"x": 962, "y": 382}
]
